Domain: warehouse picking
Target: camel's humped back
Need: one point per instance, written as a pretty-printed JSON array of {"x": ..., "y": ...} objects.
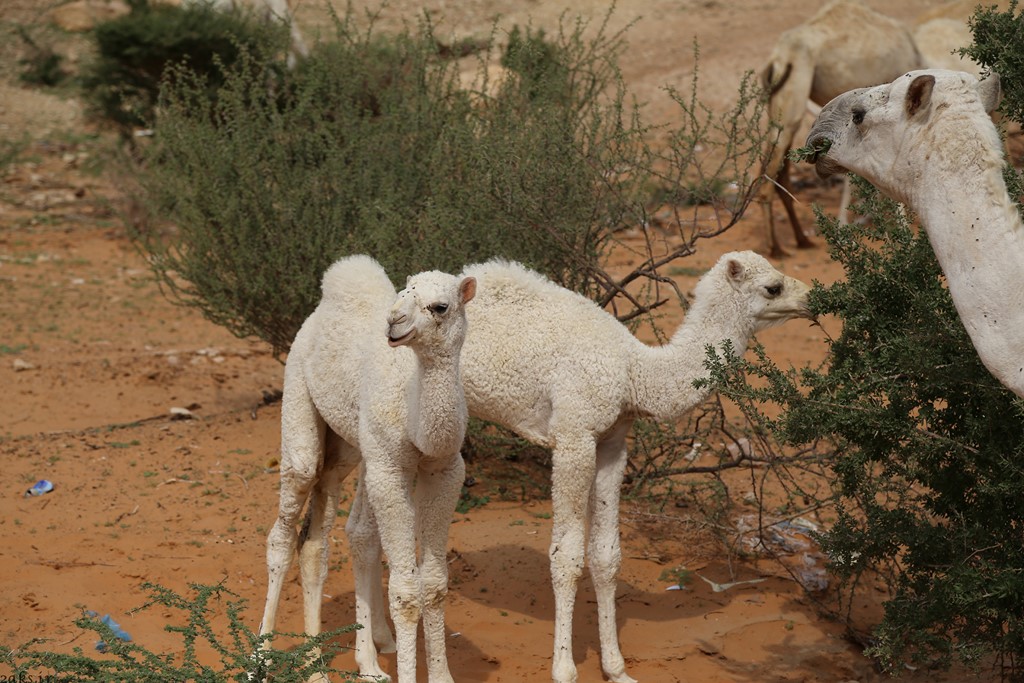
[
  {"x": 506, "y": 285},
  {"x": 357, "y": 283},
  {"x": 848, "y": 45}
]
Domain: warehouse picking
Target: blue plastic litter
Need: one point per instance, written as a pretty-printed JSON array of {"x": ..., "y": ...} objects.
[
  {"x": 39, "y": 488},
  {"x": 114, "y": 626}
]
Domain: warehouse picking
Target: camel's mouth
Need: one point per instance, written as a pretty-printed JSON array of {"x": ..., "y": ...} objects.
[
  {"x": 781, "y": 315},
  {"x": 826, "y": 167},
  {"x": 804, "y": 311},
  {"x": 401, "y": 340},
  {"x": 816, "y": 152}
]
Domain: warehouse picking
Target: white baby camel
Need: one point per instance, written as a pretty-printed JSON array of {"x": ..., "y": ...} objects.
[
  {"x": 399, "y": 413},
  {"x": 927, "y": 140},
  {"x": 564, "y": 373}
]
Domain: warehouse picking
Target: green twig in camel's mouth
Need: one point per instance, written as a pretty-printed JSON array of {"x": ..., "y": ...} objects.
[{"x": 810, "y": 152}]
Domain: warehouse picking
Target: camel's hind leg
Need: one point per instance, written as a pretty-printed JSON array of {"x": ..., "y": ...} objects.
[
  {"x": 302, "y": 451},
  {"x": 775, "y": 249},
  {"x": 784, "y": 188},
  {"x": 339, "y": 459},
  {"x": 604, "y": 546}
]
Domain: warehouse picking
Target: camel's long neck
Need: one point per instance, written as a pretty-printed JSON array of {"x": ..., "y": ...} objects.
[
  {"x": 663, "y": 376},
  {"x": 437, "y": 405},
  {"x": 978, "y": 239}
]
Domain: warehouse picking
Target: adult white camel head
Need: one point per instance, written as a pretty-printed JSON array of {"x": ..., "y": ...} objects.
[
  {"x": 890, "y": 133},
  {"x": 927, "y": 140}
]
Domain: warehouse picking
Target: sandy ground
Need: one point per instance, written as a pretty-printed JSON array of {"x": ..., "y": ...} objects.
[{"x": 93, "y": 357}]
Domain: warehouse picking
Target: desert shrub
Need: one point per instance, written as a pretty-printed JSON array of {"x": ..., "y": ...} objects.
[
  {"x": 998, "y": 40},
  {"x": 41, "y": 65},
  {"x": 122, "y": 83},
  {"x": 542, "y": 75},
  {"x": 370, "y": 146},
  {"x": 925, "y": 446},
  {"x": 210, "y": 619}
]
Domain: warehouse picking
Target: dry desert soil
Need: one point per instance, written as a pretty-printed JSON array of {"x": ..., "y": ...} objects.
[{"x": 93, "y": 357}]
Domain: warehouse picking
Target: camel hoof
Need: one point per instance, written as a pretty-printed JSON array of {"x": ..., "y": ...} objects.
[{"x": 615, "y": 670}]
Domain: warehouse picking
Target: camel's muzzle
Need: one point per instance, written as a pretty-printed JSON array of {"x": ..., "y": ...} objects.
[{"x": 824, "y": 165}]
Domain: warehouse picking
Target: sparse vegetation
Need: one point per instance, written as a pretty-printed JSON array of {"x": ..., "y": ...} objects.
[
  {"x": 210, "y": 618},
  {"x": 997, "y": 47},
  {"x": 134, "y": 52},
  {"x": 261, "y": 188},
  {"x": 925, "y": 446}
]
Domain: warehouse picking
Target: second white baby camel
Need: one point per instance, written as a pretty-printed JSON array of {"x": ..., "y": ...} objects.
[
  {"x": 927, "y": 140},
  {"x": 399, "y": 413},
  {"x": 562, "y": 372}
]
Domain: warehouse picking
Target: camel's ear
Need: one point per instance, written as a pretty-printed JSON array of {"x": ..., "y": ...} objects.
[
  {"x": 467, "y": 289},
  {"x": 766, "y": 76},
  {"x": 734, "y": 269},
  {"x": 919, "y": 94},
  {"x": 990, "y": 91},
  {"x": 769, "y": 81}
]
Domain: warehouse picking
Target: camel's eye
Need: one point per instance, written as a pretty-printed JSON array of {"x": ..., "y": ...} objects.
[
  {"x": 858, "y": 117},
  {"x": 773, "y": 290},
  {"x": 437, "y": 308}
]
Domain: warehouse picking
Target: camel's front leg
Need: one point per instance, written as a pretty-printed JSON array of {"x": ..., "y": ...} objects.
[
  {"x": 389, "y": 492},
  {"x": 364, "y": 544},
  {"x": 571, "y": 480},
  {"x": 604, "y": 547},
  {"x": 437, "y": 494}
]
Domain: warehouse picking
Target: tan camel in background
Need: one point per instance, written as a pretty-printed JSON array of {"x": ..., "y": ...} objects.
[
  {"x": 960, "y": 10},
  {"x": 941, "y": 31},
  {"x": 846, "y": 45}
]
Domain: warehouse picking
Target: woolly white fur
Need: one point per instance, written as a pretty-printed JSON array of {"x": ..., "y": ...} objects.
[{"x": 564, "y": 373}]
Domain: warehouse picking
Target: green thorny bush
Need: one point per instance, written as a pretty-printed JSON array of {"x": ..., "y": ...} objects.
[
  {"x": 999, "y": 46},
  {"x": 372, "y": 146},
  {"x": 211, "y": 628},
  {"x": 925, "y": 446},
  {"x": 122, "y": 81}
]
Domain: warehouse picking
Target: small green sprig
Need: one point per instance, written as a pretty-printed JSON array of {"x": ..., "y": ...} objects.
[{"x": 810, "y": 152}]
